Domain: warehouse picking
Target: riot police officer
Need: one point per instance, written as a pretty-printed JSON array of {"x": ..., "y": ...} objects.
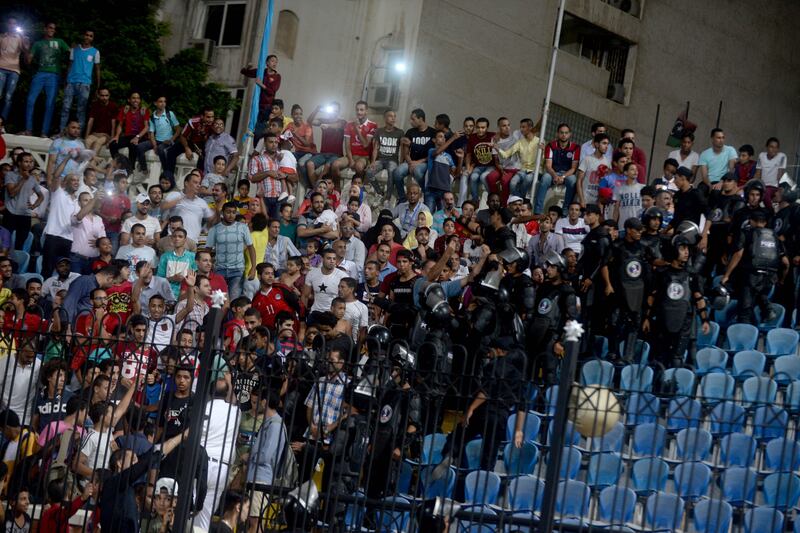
[
  {"x": 753, "y": 195},
  {"x": 787, "y": 228},
  {"x": 630, "y": 269},
  {"x": 669, "y": 315},
  {"x": 722, "y": 204},
  {"x": 520, "y": 288},
  {"x": 397, "y": 430},
  {"x": 556, "y": 303},
  {"x": 652, "y": 220},
  {"x": 760, "y": 254},
  {"x": 500, "y": 393},
  {"x": 594, "y": 273}
]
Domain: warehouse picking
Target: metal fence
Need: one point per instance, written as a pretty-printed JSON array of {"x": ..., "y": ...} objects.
[{"x": 236, "y": 423}]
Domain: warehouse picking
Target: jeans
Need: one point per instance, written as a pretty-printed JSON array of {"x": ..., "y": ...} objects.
[
  {"x": 433, "y": 199},
  {"x": 81, "y": 92},
  {"x": 81, "y": 264},
  {"x": 545, "y": 180},
  {"x": 521, "y": 183},
  {"x": 389, "y": 165},
  {"x": 399, "y": 178},
  {"x": 19, "y": 223},
  {"x": 141, "y": 153},
  {"x": 113, "y": 236},
  {"x": 8, "y": 84},
  {"x": 234, "y": 278},
  {"x": 49, "y": 82},
  {"x": 478, "y": 176},
  {"x": 272, "y": 207}
]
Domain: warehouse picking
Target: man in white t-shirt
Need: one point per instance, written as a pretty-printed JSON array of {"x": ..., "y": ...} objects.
[
  {"x": 588, "y": 148},
  {"x": 770, "y": 168},
  {"x": 58, "y": 230},
  {"x": 136, "y": 251},
  {"x": 627, "y": 196},
  {"x": 142, "y": 216},
  {"x": 190, "y": 207},
  {"x": 322, "y": 284},
  {"x": 685, "y": 156},
  {"x": 355, "y": 311},
  {"x": 592, "y": 168},
  {"x": 572, "y": 228}
]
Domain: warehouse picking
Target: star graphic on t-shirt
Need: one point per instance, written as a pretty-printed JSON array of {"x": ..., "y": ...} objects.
[{"x": 322, "y": 287}]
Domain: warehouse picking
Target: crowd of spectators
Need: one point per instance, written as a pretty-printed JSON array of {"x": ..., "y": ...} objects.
[{"x": 317, "y": 247}]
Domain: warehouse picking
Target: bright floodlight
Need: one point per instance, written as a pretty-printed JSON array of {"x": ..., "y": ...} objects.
[
  {"x": 400, "y": 67},
  {"x": 329, "y": 109}
]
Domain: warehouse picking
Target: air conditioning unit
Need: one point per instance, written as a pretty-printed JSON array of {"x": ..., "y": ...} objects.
[
  {"x": 207, "y": 47},
  {"x": 380, "y": 95},
  {"x": 616, "y": 92}
]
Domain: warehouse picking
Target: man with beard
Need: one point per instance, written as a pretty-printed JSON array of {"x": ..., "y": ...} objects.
[{"x": 58, "y": 230}]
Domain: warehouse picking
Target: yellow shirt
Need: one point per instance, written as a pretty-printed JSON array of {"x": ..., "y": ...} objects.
[
  {"x": 526, "y": 150},
  {"x": 260, "y": 240}
]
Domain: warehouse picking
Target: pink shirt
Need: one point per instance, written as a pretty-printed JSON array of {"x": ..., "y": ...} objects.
[
  {"x": 54, "y": 429},
  {"x": 85, "y": 232}
]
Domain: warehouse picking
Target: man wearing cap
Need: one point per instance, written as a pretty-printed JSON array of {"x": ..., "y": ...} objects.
[
  {"x": 142, "y": 216},
  {"x": 60, "y": 280},
  {"x": 502, "y": 380},
  {"x": 761, "y": 255}
]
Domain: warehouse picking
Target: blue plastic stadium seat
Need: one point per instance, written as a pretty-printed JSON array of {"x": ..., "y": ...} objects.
[
  {"x": 617, "y": 505},
  {"x": 782, "y": 341},
  {"x": 404, "y": 478},
  {"x": 712, "y": 516},
  {"x": 21, "y": 258},
  {"x": 477, "y": 524},
  {"x": 683, "y": 413},
  {"x": 693, "y": 444},
  {"x": 748, "y": 363},
  {"x": 759, "y": 390},
  {"x": 570, "y": 462},
  {"x": 782, "y": 490},
  {"x": 737, "y": 449},
  {"x": 600, "y": 346},
  {"x": 442, "y": 487},
  {"x": 530, "y": 428},
  {"x": 519, "y": 461},
  {"x": 782, "y": 454},
  {"x": 472, "y": 451},
  {"x": 684, "y": 380},
  {"x": 482, "y": 487},
  {"x": 571, "y": 435},
  {"x": 641, "y": 408},
  {"x": 692, "y": 479},
  {"x": 769, "y": 422},
  {"x": 604, "y": 469},
  {"x": 572, "y": 498},
  {"x": 525, "y": 493},
  {"x": 636, "y": 378},
  {"x": 664, "y": 511},
  {"x": 739, "y": 485},
  {"x": 703, "y": 340},
  {"x": 741, "y": 337},
  {"x": 763, "y": 520},
  {"x": 648, "y": 439},
  {"x": 393, "y": 519},
  {"x": 613, "y": 441},
  {"x": 649, "y": 475},
  {"x": 780, "y": 315},
  {"x": 432, "y": 446},
  {"x": 710, "y": 359},
  {"x": 550, "y": 399},
  {"x": 792, "y": 397},
  {"x": 597, "y": 372},
  {"x": 727, "y": 417},
  {"x": 726, "y": 316},
  {"x": 641, "y": 351},
  {"x": 715, "y": 388},
  {"x": 786, "y": 369}
]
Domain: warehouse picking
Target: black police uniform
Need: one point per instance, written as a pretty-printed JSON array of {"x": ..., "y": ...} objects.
[
  {"x": 741, "y": 222},
  {"x": 596, "y": 251},
  {"x": 786, "y": 225},
  {"x": 652, "y": 241},
  {"x": 399, "y": 409},
  {"x": 721, "y": 210},
  {"x": 555, "y": 304},
  {"x": 629, "y": 269},
  {"x": 673, "y": 313},
  {"x": 762, "y": 252},
  {"x": 503, "y": 382}
]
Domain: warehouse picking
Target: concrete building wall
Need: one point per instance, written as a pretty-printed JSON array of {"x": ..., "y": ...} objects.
[{"x": 467, "y": 57}]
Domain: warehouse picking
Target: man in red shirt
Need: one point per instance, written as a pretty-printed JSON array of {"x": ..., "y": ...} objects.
[
  {"x": 270, "y": 84},
  {"x": 273, "y": 297},
  {"x": 192, "y": 141},
  {"x": 114, "y": 205},
  {"x": 481, "y": 159},
  {"x": 102, "y": 121},
  {"x": 137, "y": 356},
  {"x": 119, "y": 294},
  {"x": 132, "y": 125},
  {"x": 358, "y": 140}
]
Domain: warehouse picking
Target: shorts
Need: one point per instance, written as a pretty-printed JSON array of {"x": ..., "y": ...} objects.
[
  {"x": 364, "y": 159},
  {"x": 259, "y": 504},
  {"x": 323, "y": 159}
]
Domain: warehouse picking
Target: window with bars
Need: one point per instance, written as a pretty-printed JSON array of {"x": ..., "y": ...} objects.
[{"x": 581, "y": 125}]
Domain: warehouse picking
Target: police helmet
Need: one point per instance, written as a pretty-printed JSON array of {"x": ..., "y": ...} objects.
[
  {"x": 491, "y": 280},
  {"x": 671, "y": 251},
  {"x": 651, "y": 213},
  {"x": 554, "y": 258},
  {"x": 758, "y": 185},
  {"x": 689, "y": 231},
  {"x": 402, "y": 357},
  {"x": 517, "y": 256},
  {"x": 720, "y": 297},
  {"x": 380, "y": 336}
]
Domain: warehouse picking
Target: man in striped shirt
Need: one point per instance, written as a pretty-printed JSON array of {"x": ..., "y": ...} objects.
[{"x": 264, "y": 171}]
